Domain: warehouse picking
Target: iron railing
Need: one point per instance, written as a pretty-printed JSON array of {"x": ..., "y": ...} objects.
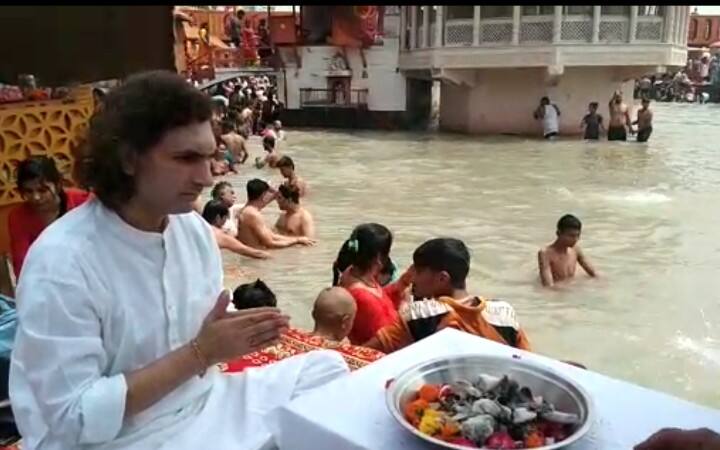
[{"x": 333, "y": 98}]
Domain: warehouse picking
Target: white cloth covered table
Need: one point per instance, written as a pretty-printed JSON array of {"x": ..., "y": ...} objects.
[{"x": 350, "y": 413}]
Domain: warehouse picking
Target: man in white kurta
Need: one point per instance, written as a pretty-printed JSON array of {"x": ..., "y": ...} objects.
[{"x": 100, "y": 299}]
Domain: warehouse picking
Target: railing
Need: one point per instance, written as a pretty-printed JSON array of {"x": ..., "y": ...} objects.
[
  {"x": 649, "y": 28},
  {"x": 536, "y": 29},
  {"x": 614, "y": 29},
  {"x": 496, "y": 31},
  {"x": 576, "y": 28},
  {"x": 458, "y": 32},
  {"x": 333, "y": 98}
]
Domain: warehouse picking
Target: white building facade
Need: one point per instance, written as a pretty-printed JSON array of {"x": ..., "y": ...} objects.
[{"x": 494, "y": 63}]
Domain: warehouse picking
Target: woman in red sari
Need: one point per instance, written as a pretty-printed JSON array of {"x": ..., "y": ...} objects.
[
  {"x": 249, "y": 44},
  {"x": 40, "y": 185},
  {"x": 359, "y": 266}
]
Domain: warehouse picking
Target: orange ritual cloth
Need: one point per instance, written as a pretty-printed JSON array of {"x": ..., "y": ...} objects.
[{"x": 296, "y": 342}]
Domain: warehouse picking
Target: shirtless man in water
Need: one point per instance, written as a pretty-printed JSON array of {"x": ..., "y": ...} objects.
[
  {"x": 216, "y": 213},
  {"x": 619, "y": 119},
  {"x": 252, "y": 229},
  {"x": 272, "y": 157},
  {"x": 295, "y": 220},
  {"x": 235, "y": 143},
  {"x": 558, "y": 261},
  {"x": 644, "y": 121},
  {"x": 287, "y": 169}
]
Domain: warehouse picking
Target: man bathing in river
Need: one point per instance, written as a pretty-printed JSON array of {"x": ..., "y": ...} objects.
[
  {"x": 295, "y": 220},
  {"x": 252, "y": 230},
  {"x": 558, "y": 261},
  {"x": 272, "y": 157},
  {"x": 235, "y": 143},
  {"x": 287, "y": 169},
  {"x": 549, "y": 113},
  {"x": 644, "y": 121},
  {"x": 592, "y": 123},
  {"x": 619, "y": 118},
  {"x": 216, "y": 213}
]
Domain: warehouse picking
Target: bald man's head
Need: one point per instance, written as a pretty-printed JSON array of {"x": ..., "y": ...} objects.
[{"x": 334, "y": 312}]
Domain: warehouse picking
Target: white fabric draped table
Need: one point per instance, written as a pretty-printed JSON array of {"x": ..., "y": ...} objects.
[{"x": 350, "y": 413}]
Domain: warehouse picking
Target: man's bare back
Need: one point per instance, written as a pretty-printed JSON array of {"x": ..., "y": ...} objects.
[
  {"x": 248, "y": 219},
  {"x": 236, "y": 144},
  {"x": 296, "y": 223},
  {"x": 618, "y": 114}
]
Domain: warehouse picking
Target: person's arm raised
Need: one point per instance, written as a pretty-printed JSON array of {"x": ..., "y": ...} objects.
[{"x": 223, "y": 336}]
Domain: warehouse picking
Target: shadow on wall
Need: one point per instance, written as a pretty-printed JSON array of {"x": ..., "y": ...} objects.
[{"x": 419, "y": 104}]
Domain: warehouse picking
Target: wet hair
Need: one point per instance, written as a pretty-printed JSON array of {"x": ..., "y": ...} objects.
[
  {"x": 42, "y": 168},
  {"x": 444, "y": 255},
  {"x": 568, "y": 222},
  {"x": 285, "y": 161},
  {"x": 218, "y": 188},
  {"x": 269, "y": 142},
  {"x": 645, "y": 99},
  {"x": 214, "y": 209},
  {"x": 290, "y": 193},
  {"x": 227, "y": 126},
  {"x": 253, "y": 295},
  {"x": 594, "y": 105},
  {"x": 135, "y": 117},
  {"x": 256, "y": 188},
  {"x": 366, "y": 243}
]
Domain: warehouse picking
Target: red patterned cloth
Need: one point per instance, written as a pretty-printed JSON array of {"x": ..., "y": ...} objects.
[{"x": 296, "y": 342}]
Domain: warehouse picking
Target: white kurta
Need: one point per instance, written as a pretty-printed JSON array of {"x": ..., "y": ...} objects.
[{"x": 98, "y": 298}]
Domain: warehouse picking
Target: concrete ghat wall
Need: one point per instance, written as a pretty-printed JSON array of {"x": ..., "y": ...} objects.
[
  {"x": 385, "y": 83},
  {"x": 502, "y": 100}
]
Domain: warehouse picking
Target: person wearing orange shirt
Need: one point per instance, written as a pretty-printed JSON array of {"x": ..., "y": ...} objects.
[
  {"x": 441, "y": 301},
  {"x": 40, "y": 185}
]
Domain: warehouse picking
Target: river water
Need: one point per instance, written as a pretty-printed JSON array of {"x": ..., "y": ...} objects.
[{"x": 650, "y": 215}]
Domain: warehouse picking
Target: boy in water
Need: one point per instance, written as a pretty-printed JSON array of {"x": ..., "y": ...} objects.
[
  {"x": 558, "y": 261},
  {"x": 644, "y": 121},
  {"x": 592, "y": 123}
]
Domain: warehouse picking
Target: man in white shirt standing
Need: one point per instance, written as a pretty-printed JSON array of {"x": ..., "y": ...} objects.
[
  {"x": 122, "y": 313},
  {"x": 549, "y": 113}
]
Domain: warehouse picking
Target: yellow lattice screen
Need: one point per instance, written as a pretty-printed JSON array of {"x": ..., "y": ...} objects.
[{"x": 49, "y": 128}]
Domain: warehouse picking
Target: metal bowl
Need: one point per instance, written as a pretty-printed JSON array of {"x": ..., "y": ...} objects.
[{"x": 564, "y": 393}]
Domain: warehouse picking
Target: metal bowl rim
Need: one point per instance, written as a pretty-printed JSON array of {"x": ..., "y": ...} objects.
[{"x": 397, "y": 415}]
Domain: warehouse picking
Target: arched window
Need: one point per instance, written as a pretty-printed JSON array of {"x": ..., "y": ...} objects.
[
  {"x": 708, "y": 29},
  {"x": 692, "y": 33}
]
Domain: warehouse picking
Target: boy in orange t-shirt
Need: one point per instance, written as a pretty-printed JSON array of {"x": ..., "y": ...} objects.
[{"x": 441, "y": 267}]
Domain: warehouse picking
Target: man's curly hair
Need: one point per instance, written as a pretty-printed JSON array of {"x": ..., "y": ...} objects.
[{"x": 135, "y": 117}]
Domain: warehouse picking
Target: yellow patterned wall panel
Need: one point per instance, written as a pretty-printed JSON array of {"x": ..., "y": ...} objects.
[{"x": 51, "y": 128}]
